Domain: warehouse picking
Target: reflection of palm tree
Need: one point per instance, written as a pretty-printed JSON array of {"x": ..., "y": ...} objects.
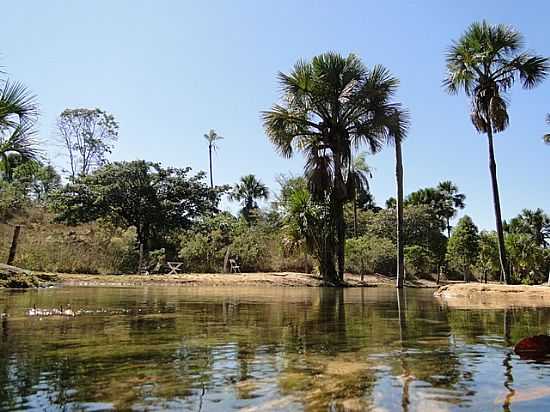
[
  {"x": 507, "y": 363},
  {"x": 406, "y": 374}
]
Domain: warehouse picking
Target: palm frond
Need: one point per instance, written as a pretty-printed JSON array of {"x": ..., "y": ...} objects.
[{"x": 16, "y": 100}]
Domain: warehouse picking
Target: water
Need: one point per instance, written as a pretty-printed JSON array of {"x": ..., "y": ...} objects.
[{"x": 257, "y": 349}]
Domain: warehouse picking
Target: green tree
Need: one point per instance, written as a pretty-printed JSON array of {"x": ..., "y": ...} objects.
[
  {"x": 526, "y": 257},
  {"x": 308, "y": 224},
  {"x": 332, "y": 104},
  {"x": 35, "y": 179},
  {"x": 534, "y": 223},
  {"x": 463, "y": 246},
  {"x": 247, "y": 191},
  {"x": 485, "y": 62},
  {"x": 212, "y": 137},
  {"x": 452, "y": 199},
  {"x": 18, "y": 112},
  {"x": 153, "y": 200},
  {"x": 88, "y": 136},
  {"x": 361, "y": 173},
  {"x": 488, "y": 261}
]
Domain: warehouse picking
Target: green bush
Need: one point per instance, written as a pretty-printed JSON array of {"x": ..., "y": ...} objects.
[
  {"x": 419, "y": 260},
  {"x": 370, "y": 255}
]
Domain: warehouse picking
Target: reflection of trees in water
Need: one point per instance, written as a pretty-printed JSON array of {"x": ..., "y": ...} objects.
[{"x": 188, "y": 351}]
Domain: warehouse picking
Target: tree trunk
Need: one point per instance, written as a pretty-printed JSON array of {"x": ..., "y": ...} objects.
[
  {"x": 326, "y": 267},
  {"x": 399, "y": 181},
  {"x": 13, "y": 248},
  {"x": 340, "y": 238},
  {"x": 210, "y": 158},
  {"x": 355, "y": 215},
  {"x": 448, "y": 228},
  {"x": 140, "y": 261},
  {"x": 496, "y": 202}
]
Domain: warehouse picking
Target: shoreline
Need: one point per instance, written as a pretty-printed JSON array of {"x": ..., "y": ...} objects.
[
  {"x": 269, "y": 279},
  {"x": 493, "y": 296}
]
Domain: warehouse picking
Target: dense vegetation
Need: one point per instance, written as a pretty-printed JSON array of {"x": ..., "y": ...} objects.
[{"x": 118, "y": 216}]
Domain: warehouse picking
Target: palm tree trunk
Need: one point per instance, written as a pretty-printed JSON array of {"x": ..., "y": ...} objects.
[
  {"x": 448, "y": 228},
  {"x": 340, "y": 239},
  {"x": 399, "y": 181},
  {"x": 355, "y": 215},
  {"x": 210, "y": 157},
  {"x": 496, "y": 202}
]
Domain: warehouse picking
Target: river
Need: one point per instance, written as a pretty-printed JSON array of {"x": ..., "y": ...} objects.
[{"x": 264, "y": 349}]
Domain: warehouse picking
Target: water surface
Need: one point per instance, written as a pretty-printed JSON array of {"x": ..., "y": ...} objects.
[{"x": 256, "y": 349}]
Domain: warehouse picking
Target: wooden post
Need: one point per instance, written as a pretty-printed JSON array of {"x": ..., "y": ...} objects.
[{"x": 13, "y": 247}]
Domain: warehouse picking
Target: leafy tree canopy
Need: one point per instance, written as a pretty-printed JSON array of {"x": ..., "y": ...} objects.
[{"x": 140, "y": 194}]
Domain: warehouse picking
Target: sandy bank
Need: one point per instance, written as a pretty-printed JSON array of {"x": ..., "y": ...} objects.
[
  {"x": 280, "y": 279},
  {"x": 493, "y": 296}
]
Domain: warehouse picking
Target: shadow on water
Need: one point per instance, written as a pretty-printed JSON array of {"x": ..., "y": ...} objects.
[{"x": 265, "y": 349}]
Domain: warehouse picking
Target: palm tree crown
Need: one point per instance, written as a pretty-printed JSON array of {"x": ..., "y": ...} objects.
[
  {"x": 485, "y": 63},
  {"x": 212, "y": 137},
  {"x": 18, "y": 111},
  {"x": 331, "y": 105},
  {"x": 247, "y": 191}
]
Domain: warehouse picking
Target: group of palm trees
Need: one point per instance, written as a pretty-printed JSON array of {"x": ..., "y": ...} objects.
[{"x": 333, "y": 105}]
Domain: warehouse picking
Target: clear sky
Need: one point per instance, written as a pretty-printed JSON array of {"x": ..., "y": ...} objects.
[{"x": 171, "y": 70}]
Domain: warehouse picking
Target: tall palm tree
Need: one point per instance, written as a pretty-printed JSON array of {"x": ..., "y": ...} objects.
[
  {"x": 397, "y": 142},
  {"x": 547, "y": 135},
  {"x": 361, "y": 172},
  {"x": 18, "y": 110},
  {"x": 331, "y": 105},
  {"x": 247, "y": 191},
  {"x": 212, "y": 137},
  {"x": 485, "y": 62},
  {"x": 452, "y": 199}
]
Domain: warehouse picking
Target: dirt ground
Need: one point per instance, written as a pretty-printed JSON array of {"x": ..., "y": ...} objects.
[
  {"x": 493, "y": 295},
  {"x": 284, "y": 279}
]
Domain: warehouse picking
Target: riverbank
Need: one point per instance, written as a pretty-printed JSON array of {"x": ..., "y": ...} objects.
[
  {"x": 278, "y": 279},
  {"x": 17, "y": 278},
  {"x": 493, "y": 296}
]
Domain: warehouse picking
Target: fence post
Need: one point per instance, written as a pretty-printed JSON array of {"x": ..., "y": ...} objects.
[{"x": 13, "y": 247}]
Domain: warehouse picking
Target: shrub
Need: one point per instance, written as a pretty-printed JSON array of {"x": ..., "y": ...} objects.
[
  {"x": 370, "y": 255},
  {"x": 419, "y": 260}
]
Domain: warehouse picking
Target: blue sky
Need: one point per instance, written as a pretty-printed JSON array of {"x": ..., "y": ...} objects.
[{"x": 171, "y": 70}]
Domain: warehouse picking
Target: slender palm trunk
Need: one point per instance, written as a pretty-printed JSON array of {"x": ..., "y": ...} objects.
[
  {"x": 340, "y": 239},
  {"x": 496, "y": 202},
  {"x": 210, "y": 157},
  {"x": 400, "y": 246},
  {"x": 448, "y": 228},
  {"x": 355, "y": 215}
]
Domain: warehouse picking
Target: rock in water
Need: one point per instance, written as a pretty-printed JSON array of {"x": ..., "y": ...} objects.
[{"x": 533, "y": 346}]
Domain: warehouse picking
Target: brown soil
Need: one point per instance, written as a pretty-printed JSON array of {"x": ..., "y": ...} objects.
[
  {"x": 284, "y": 279},
  {"x": 493, "y": 296}
]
